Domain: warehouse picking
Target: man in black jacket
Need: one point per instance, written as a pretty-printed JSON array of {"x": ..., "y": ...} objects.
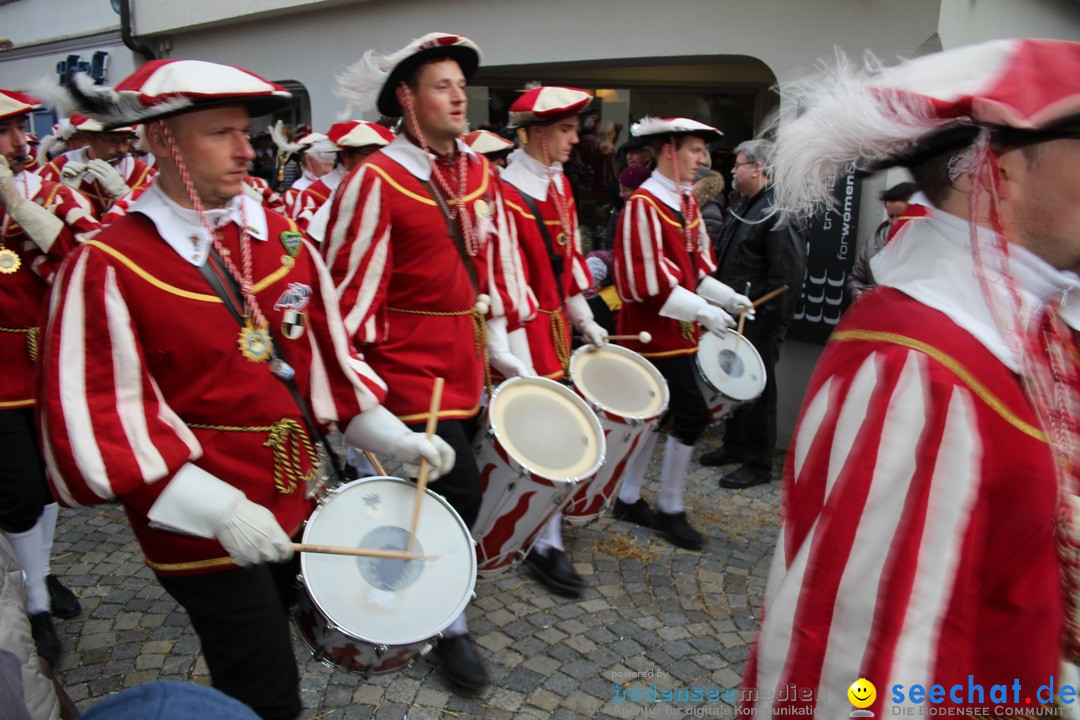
[{"x": 757, "y": 254}]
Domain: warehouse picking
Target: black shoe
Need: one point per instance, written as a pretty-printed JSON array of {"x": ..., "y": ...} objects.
[
  {"x": 637, "y": 512},
  {"x": 555, "y": 571},
  {"x": 62, "y": 602},
  {"x": 745, "y": 477},
  {"x": 461, "y": 662},
  {"x": 676, "y": 528},
  {"x": 45, "y": 638},
  {"x": 724, "y": 456}
]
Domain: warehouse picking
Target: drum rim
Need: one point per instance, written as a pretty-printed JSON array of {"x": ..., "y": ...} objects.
[
  {"x": 705, "y": 378},
  {"x": 590, "y": 414},
  {"x": 438, "y": 498},
  {"x": 631, "y": 355}
]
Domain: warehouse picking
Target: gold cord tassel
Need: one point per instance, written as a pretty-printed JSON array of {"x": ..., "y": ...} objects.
[
  {"x": 558, "y": 337},
  {"x": 687, "y": 329},
  {"x": 287, "y": 439},
  {"x": 33, "y": 336},
  {"x": 480, "y": 344}
]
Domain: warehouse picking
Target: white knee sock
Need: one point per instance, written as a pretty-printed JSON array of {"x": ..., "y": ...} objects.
[
  {"x": 48, "y": 531},
  {"x": 676, "y": 461},
  {"x": 550, "y": 536},
  {"x": 30, "y": 553},
  {"x": 630, "y": 491},
  {"x": 459, "y": 626}
]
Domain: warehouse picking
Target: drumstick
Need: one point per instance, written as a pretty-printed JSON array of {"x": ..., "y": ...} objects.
[
  {"x": 642, "y": 337},
  {"x": 742, "y": 319},
  {"x": 421, "y": 479},
  {"x": 768, "y": 296},
  {"x": 360, "y": 552},
  {"x": 374, "y": 462}
]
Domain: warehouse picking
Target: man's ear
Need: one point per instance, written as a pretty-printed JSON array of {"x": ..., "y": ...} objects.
[
  {"x": 155, "y": 138},
  {"x": 1011, "y": 167}
]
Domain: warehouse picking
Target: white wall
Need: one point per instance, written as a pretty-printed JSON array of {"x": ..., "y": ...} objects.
[
  {"x": 28, "y": 22},
  {"x": 963, "y": 22}
]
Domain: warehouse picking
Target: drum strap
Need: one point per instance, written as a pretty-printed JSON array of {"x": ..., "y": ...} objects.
[
  {"x": 554, "y": 258},
  {"x": 226, "y": 288},
  {"x": 454, "y": 231},
  {"x": 693, "y": 255}
]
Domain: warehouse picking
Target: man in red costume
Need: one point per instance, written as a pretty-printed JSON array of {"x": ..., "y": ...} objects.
[
  {"x": 663, "y": 261},
  {"x": 38, "y": 222},
  {"x": 194, "y": 351},
  {"x": 924, "y": 489},
  {"x": 541, "y": 206},
  {"x": 422, "y": 252}
]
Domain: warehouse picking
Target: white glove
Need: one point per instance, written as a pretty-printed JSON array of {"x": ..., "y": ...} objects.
[
  {"x": 519, "y": 345},
  {"x": 684, "y": 305},
  {"x": 717, "y": 292},
  {"x": 109, "y": 178},
  {"x": 38, "y": 223},
  {"x": 71, "y": 174},
  {"x": 197, "y": 503},
  {"x": 715, "y": 320},
  {"x": 499, "y": 354},
  {"x": 581, "y": 315},
  {"x": 379, "y": 431}
]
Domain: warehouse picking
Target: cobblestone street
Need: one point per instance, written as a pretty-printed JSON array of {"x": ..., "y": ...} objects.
[{"x": 651, "y": 614}]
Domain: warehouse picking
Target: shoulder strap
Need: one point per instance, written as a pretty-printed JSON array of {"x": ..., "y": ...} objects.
[
  {"x": 554, "y": 258},
  {"x": 454, "y": 231}
]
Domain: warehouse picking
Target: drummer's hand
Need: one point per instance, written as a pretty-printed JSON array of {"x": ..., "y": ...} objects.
[
  {"x": 251, "y": 535},
  {"x": 509, "y": 364},
  {"x": 594, "y": 333},
  {"x": 437, "y": 452},
  {"x": 739, "y": 303},
  {"x": 715, "y": 320}
]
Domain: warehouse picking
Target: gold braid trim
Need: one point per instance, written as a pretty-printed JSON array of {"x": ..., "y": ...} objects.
[
  {"x": 286, "y": 438},
  {"x": 686, "y": 330},
  {"x": 480, "y": 337},
  {"x": 33, "y": 335},
  {"x": 558, "y": 337}
]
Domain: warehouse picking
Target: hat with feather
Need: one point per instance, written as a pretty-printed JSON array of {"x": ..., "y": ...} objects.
[
  {"x": 13, "y": 104},
  {"x": 371, "y": 83}
]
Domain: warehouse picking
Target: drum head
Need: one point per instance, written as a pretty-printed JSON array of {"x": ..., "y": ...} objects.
[
  {"x": 731, "y": 365},
  {"x": 619, "y": 381},
  {"x": 379, "y": 600},
  {"x": 547, "y": 428}
]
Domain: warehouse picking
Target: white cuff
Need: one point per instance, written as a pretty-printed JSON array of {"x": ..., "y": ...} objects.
[
  {"x": 40, "y": 225},
  {"x": 377, "y": 430},
  {"x": 715, "y": 291},
  {"x": 194, "y": 502},
  {"x": 683, "y": 305},
  {"x": 519, "y": 345},
  {"x": 577, "y": 307}
]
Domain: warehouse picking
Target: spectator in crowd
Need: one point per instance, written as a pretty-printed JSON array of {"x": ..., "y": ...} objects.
[
  {"x": 712, "y": 200},
  {"x": 896, "y": 199}
]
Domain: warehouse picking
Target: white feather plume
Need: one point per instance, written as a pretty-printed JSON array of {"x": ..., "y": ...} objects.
[
  {"x": 277, "y": 134},
  {"x": 47, "y": 143},
  {"x": 102, "y": 103},
  {"x": 359, "y": 84},
  {"x": 834, "y": 120}
]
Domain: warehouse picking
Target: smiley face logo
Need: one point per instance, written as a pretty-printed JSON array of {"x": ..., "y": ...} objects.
[{"x": 862, "y": 693}]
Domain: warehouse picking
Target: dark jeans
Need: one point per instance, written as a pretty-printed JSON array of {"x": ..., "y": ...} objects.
[
  {"x": 751, "y": 429},
  {"x": 241, "y": 618},
  {"x": 23, "y": 490},
  {"x": 461, "y": 486},
  {"x": 687, "y": 412}
]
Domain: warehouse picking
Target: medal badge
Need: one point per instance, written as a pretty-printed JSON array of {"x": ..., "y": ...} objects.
[
  {"x": 291, "y": 241},
  {"x": 9, "y": 261},
  {"x": 292, "y": 303},
  {"x": 561, "y": 239},
  {"x": 481, "y": 209},
  {"x": 255, "y": 343}
]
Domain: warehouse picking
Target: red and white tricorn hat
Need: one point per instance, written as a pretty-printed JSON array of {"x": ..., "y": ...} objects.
[
  {"x": 875, "y": 116},
  {"x": 85, "y": 124},
  {"x": 14, "y": 103},
  {"x": 486, "y": 142},
  {"x": 656, "y": 128},
  {"x": 356, "y": 134},
  {"x": 545, "y": 105},
  {"x": 161, "y": 88},
  {"x": 371, "y": 83}
]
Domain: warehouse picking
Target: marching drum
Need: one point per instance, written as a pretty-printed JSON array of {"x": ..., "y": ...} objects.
[
  {"x": 629, "y": 396},
  {"x": 730, "y": 372},
  {"x": 375, "y": 615},
  {"x": 541, "y": 440}
]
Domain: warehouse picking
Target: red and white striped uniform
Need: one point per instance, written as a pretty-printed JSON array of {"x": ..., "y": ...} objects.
[
  {"x": 290, "y": 196},
  {"x": 23, "y": 293},
  {"x": 141, "y": 372},
  {"x": 525, "y": 175},
  {"x": 918, "y": 542},
  {"x": 650, "y": 259},
  {"x": 315, "y": 196},
  {"x": 403, "y": 287},
  {"x": 135, "y": 172},
  {"x": 271, "y": 200}
]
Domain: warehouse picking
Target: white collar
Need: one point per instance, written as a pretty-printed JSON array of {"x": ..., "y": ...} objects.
[
  {"x": 664, "y": 190},
  {"x": 413, "y": 158},
  {"x": 180, "y": 226},
  {"x": 930, "y": 260},
  {"x": 529, "y": 175},
  {"x": 333, "y": 178},
  {"x": 28, "y": 184}
]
